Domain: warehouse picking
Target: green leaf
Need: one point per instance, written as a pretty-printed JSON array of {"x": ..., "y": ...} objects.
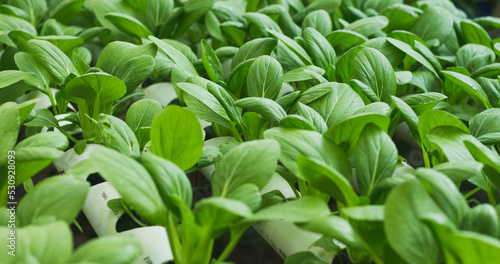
[
  {"x": 302, "y": 210},
  {"x": 449, "y": 140},
  {"x": 8, "y": 133},
  {"x": 44, "y": 118},
  {"x": 157, "y": 13},
  {"x": 474, "y": 57},
  {"x": 424, "y": 101},
  {"x": 46, "y": 139},
  {"x": 409, "y": 116},
  {"x": 31, "y": 160},
  {"x": 295, "y": 142},
  {"x": 65, "y": 43},
  {"x": 119, "y": 136},
  {"x": 313, "y": 116},
  {"x": 194, "y": 9},
  {"x": 49, "y": 199},
  {"x": 265, "y": 78},
  {"x": 52, "y": 59},
  {"x": 486, "y": 156},
  {"x": 459, "y": 171},
  {"x": 346, "y": 133},
  {"x": 434, "y": 23},
  {"x": 292, "y": 46},
  {"x": 475, "y": 34},
  {"x": 343, "y": 40},
  {"x": 327, "y": 180},
  {"x": 94, "y": 89},
  {"x": 47, "y": 243},
  {"x": 434, "y": 118},
  {"x": 482, "y": 219},
  {"x": 400, "y": 16},
  {"x": 319, "y": 48},
  {"x": 484, "y": 126},
  {"x": 406, "y": 234},
  {"x": 35, "y": 9},
  {"x": 65, "y": 11},
  {"x": 39, "y": 78},
  {"x": 376, "y": 157},
  {"x": 135, "y": 71},
  {"x": 116, "y": 249},
  {"x": 10, "y": 77},
  {"x": 132, "y": 181},
  {"x": 128, "y": 25},
  {"x": 176, "y": 135},
  {"x": 492, "y": 89},
  {"x": 176, "y": 56},
  {"x": 117, "y": 55},
  {"x": 445, "y": 194},
  {"x": 89, "y": 34},
  {"x": 412, "y": 53},
  {"x": 204, "y": 104},
  {"x": 319, "y": 20},
  {"x": 139, "y": 118},
  {"x": 335, "y": 102},
  {"x": 211, "y": 62},
  {"x": 253, "y": 49},
  {"x": 368, "y": 26},
  {"x": 267, "y": 108},
  {"x": 251, "y": 162},
  {"x": 296, "y": 121},
  {"x": 262, "y": 22},
  {"x": 8, "y": 23},
  {"x": 302, "y": 74},
  {"x": 471, "y": 87},
  {"x": 170, "y": 181}
]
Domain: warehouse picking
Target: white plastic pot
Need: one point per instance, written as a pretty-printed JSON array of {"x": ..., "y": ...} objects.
[{"x": 284, "y": 237}]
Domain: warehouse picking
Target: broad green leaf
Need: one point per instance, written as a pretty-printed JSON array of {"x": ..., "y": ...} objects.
[
  {"x": 485, "y": 126},
  {"x": 449, "y": 140},
  {"x": 313, "y": 116},
  {"x": 471, "y": 87},
  {"x": 474, "y": 56},
  {"x": 65, "y": 11},
  {"x": 343, "y": 40},
  {"x": 119, "y": 136},
  {"x": 267, "y": 108},
  {"x": 89, "y": 34},
  {"x": 45, "y": 243},
  {"x": 424, "y": 101},
  {"x": 169, "y": 179},
  {"x": 400, "y": 16},
  {"x": 8, "y": 23},
  {"x": 117, "y": 54},
  {"x": 139, "y": 117},
  {"x": 379, "y": 5},
  {"x": 492, "y": 88},
  {"x": 43, "y": 118},
  {"x": 322, "y": 53},
  {"x": 302, "y": 74},
  {"x": 403, "y": 77},
  {"x": 445, "y": 194},
  {"x": 346, "y": 133},
  {"x": 295, "y": 142},
  {"x": 459, "y": 171},
  {"x": 296, "y": 121},
  {"x": 10, "y": 77},
  {"x": 8, "y": 133},
  {"x": 132, "y": 181},
  {"x": 134, "y": 71},
  {"x": 253, "y": 49},
  {"x": 94, "y": 89},
  {"x": 46, "y": 139},
  {"x": 48, "y": 199},
  {"x": 31, "y": 160},
  {"x": 128, "y": 25},
  {"x": 213, "y": 25},
  {"x": 405, "y": 232},
  {"x": 376, "y": 157},
  {"x": 20, "y": 39},
  {"x": 319, "y": 20},
  {"x": 302, "y": 210},
  {"x": 251, "y": 162},
  {"x": 292, "y": 46},
  {"x": 337, "y": 228},
  {"x": 40, "y": 78},
  {"x": 415, "y": 55},
  {"x": 265, "y": 78},
  {"x": 204, "y": 104},
  {"x": 327, "y": 180},
  {"x": 194, "y": 9},
  {"x": 65, "y": 43},
  {"x": 226, "y": 100},
  {"x": 335, "y": 102},
  {"x": 158, "y": 12},
  {"x": 35, "y": 9},
  {"x": 211, "y": 62},
  {"x": 475, "y": 34},
  {"x": 262, "y": 22},
  {"x": 409, "y": 116},
  {"x": 486, "y": 156},
  {"x": 176, "y": 135},
  {"x": 434, "y": 23},
  {"x": 368, "y": 26},
  {"x": 52, "y": 59},
  {"x": 116, "y": 249},
  {"x": 434, "y": 118},
  {"x": 482, "y": 219},
  {"x": 176, "y": 56}
]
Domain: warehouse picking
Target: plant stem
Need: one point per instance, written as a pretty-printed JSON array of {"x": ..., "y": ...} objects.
[
  {"x": 173, "y": 238},
  {"x": 236, "y": 133},
  {"x": 235, "y": 237},
  {"x": 51, "y": 98},
  {"x": 491, "y": 197},
  {"x": 426, "y": 156},
  {"x": 70, "y": 137},
  {"x": 469, "y": 194},
  {"x": 203, "y": 250}
]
